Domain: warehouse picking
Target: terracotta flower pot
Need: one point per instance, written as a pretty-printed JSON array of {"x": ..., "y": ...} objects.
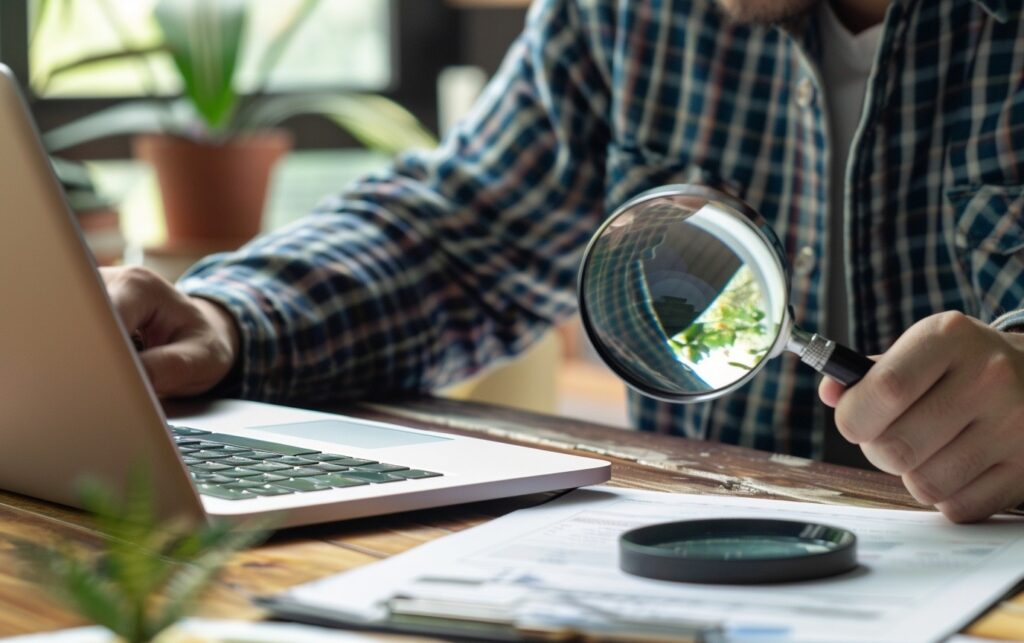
[{"x": 213, "y": 193}]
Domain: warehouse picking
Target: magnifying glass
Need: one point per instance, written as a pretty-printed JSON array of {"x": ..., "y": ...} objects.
[{"x": 684, "y": 293}]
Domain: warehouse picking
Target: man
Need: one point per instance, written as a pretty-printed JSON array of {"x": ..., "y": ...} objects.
[{"x": 896, "y": 188}]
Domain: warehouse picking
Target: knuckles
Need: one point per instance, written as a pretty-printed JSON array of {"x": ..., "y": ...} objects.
[
  {"x": 922, "y": 487},
  {"x": 892, "y": 454},
  {"x": 135, "y": 279},
  {"x": 890, "y": 387},
  {"x": 959, "y": 512},
  {"x": 951, "y": 323}
]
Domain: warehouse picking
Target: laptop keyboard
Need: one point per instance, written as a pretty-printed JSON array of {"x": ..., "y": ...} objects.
[{"x": 234, "y": 467}]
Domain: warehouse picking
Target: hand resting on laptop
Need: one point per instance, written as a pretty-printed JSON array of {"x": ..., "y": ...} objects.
[{"x": 189, "y": 344}]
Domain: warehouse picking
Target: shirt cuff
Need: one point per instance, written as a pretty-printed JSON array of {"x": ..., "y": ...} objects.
[{"x": 1011, "y": 322}]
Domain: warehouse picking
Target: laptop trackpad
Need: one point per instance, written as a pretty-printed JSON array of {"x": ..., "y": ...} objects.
[{"x": 353, "y": 434}]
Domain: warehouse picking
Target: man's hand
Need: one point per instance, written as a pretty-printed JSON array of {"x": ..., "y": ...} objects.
[
  {"x": 189, "y": 344},
  {"x": 944, "y": 409}
]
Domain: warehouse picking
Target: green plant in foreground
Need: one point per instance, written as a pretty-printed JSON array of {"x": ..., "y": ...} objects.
[{"x": 148, "y": 575}]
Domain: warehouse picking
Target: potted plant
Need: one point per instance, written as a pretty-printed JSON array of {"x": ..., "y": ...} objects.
[{"x": 213, "y": 150}]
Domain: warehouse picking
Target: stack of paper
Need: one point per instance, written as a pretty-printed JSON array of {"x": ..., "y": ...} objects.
[{"x": 920, "y": 578}]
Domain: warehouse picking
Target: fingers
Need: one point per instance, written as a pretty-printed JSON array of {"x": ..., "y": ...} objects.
[
  {"x": 190, "y": 344},
  {"x": 995, "y": 490},
  {"x": 936, "y": 419},
  {"x": 181, "y": 368},
  {"x": 900, "y": 377},
  {"x": 830, "y": 391},
  {"x": 138, "y": 295}
]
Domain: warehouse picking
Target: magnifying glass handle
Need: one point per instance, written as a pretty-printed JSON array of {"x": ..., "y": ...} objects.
[
  {"x": 846, "y": 365},
  {"x": 842, "y": 364}
]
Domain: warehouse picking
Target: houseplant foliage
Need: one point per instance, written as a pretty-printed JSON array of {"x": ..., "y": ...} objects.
[
  {"x": 147, "y": 576},
  {"x": 212, "y": 139}
]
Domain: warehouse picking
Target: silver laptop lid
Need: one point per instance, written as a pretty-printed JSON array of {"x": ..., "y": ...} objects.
[{"x": 74, "y": 401}]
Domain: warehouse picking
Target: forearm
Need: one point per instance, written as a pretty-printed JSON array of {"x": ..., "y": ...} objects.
[{"x": 455, "y": 257}]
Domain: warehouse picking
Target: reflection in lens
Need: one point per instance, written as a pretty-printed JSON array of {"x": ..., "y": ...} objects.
[
  {"x": 747, "y": 547},
  {"x": 672, "y": 300},
  {"x": 730, "y": 337}
]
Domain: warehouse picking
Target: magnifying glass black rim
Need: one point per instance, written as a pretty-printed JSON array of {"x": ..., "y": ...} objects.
[
  {"x": 676, "y": 190},
  {"x": 639, "y": 554}
]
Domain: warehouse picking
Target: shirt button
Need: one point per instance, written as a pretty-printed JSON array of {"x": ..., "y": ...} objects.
[
  {"x": 804, "y": 92},
  {"x": 805, "y": 260}
]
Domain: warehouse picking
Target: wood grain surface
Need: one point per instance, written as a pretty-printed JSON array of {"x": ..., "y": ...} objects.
[{"x": 293, "y": 556}]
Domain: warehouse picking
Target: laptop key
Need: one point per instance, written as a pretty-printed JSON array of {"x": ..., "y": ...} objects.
[
  {"x": 199, "y": 476},
  {"x": 208, "y": 467},
  {"x": 263, "y": 445},
  {"x": 206, "y": 444},
  {"x": 269, "y": 466},
  {"x": 415, "y": 474},
  {"x": 188, "y": 460},
  {"x": 241, "y": 472},
  {"x": 295, "y": 461},
  {"x": 216, "y": 478},
  {"x": 339, "y": 481},
  {"x": 233, "y": 450},
  {"x": 242, "y": 484},
  {"x": 238, "y": 461},
  {"x": 381, "y": 467},
  {"x": 265, "y": 478},
  {"x": 325, "y": 457},
  {"x": 210, "y": 454},
  {"x": 184, "y": 430},
  {"x": 269, "y": 490},
  {"x": 375, "y": 477},
  {"x": 264, "y": 455},
  {"x": 330, "y": 467},
  {"x": 221, "y": 492},
  {"x": 182, "y": 440},
  {"x": 302, "y": 484},
  {"x": 302, "y": 472},
  {"x": 352, "y": 462}
]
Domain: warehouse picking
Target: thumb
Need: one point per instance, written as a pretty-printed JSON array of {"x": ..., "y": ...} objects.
[
  {"x": 178, "y": 369},
  {"x": 830, "y": 390}
]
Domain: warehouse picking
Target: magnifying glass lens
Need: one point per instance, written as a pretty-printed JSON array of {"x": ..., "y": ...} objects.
[
  {"x": 681, "y": 296},
  {"x": 684, "y": 293},
  {"x": 737, "y": 550},
  {"x": 745, "y": 547}
]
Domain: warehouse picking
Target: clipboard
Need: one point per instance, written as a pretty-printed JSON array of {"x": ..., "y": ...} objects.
[{"x": 464, "y": 622}]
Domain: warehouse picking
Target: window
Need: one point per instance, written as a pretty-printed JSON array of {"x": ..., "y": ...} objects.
[
  {"x": 393, "y": 47},
  {"x": 342, "y": 43}
]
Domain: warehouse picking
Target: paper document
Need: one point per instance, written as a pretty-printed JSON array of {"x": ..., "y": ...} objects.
[{"x": 920, "y": 577}]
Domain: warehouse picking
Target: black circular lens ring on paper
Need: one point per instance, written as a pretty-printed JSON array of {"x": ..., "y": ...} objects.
[{"x": 650, "y": 552}]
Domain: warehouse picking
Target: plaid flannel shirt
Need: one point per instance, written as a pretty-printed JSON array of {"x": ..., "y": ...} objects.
[{"x": 453, "y": 258}]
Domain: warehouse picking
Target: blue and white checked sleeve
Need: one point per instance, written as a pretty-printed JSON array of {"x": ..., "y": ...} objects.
[{"x": 421, "y": 275}]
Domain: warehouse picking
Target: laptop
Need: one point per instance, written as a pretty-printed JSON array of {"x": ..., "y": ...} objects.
[{"x": 75, "y": 403}]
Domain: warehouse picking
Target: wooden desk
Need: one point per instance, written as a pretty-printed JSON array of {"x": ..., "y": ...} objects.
[{"x": 299, "y": 555}]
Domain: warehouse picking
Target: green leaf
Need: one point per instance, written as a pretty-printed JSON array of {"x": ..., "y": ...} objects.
[
  {"x": 60, "y": 571},
  {"x": 96, "y": 59},
  {"x": 376, "y": 122},
  {"x": 187, "y": 583},
  {"x": 204, "y": 38},
  {"x": 133, "y": 117},
  {"x": 693, "y": 331},
  {"x": 279, "y": 43}
]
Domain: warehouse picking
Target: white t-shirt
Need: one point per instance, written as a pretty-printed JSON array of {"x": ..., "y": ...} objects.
[{"x": 846, "y": 64}]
